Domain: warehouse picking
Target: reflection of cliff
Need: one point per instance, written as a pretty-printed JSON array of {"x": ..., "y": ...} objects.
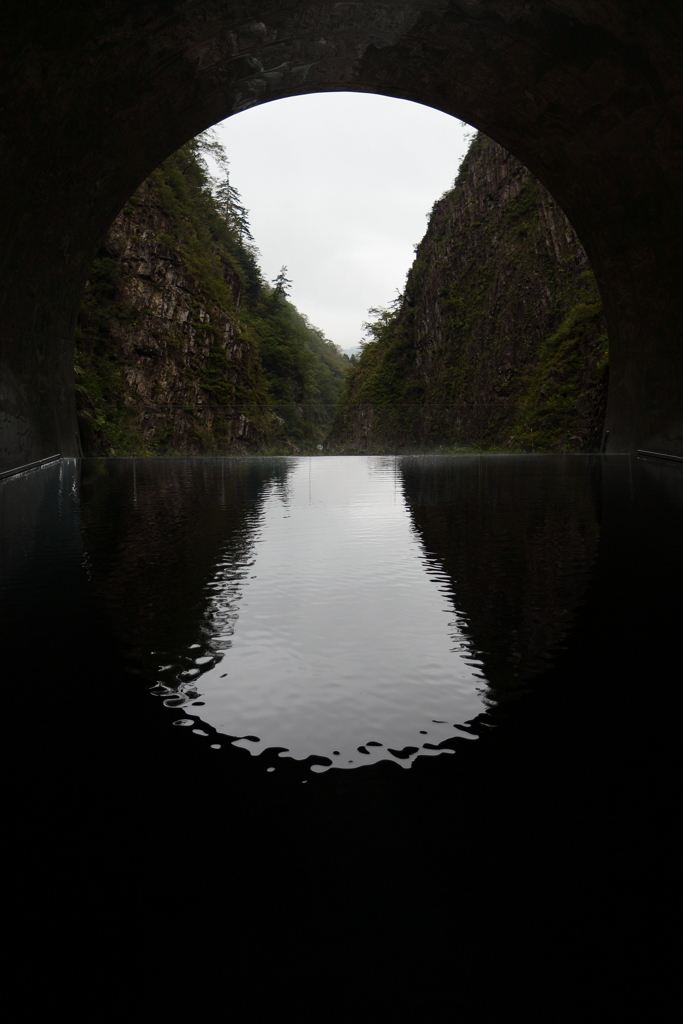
[
  {"x": 155, "y": 533},
  {"x": 518, "y": 542}
]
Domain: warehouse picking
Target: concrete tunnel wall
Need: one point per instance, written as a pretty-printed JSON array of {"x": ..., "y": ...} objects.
[{"x": 96, "y": 93}]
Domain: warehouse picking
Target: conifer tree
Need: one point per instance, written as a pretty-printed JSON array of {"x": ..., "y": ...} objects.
[
  {"x": 229, "y": 203},
  {"x": 281, "y": 283}
]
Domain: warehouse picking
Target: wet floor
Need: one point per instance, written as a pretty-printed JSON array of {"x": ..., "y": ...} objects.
[{"x": 491, "y": 644}]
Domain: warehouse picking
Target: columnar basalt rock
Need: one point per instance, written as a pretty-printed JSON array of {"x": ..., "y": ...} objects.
[{"x": 96, "y": 94}]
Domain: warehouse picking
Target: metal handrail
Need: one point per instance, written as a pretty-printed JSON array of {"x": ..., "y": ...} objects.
[
  {"x": 660, "y": 455},
  {"x": 30, "y": 465}
]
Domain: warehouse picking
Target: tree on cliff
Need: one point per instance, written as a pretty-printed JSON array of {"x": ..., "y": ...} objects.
[
  {"x": 382, "y": 317},
  {"x": 281, "y": 283},
  {"x": 230, "y": 206}
]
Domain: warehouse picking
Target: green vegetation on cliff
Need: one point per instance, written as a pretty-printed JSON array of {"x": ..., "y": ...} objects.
[
  {"x": 499, "y": 340},
  {"x": 181, "y": 345}
]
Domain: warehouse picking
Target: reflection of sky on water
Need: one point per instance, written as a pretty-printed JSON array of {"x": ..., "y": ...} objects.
[{"x": 336, "y": 629}]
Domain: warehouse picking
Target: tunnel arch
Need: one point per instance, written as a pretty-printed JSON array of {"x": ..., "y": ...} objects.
[{"x": 588, "y": 94}]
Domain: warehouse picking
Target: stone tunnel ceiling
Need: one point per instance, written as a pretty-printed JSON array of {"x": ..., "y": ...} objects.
[{"x": 96, "y": 93}]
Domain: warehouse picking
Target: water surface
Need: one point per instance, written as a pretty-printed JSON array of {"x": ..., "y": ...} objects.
[
  {"x": 330, "y": 627},
  {"x": 334, "y": 602},
  {"x": 346, "y": 609}
]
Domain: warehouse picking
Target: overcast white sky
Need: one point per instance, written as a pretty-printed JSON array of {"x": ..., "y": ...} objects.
[{"x": 338, "y": 186}]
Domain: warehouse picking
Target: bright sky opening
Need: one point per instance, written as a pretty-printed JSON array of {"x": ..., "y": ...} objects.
[{"x": 339, "y": 187}]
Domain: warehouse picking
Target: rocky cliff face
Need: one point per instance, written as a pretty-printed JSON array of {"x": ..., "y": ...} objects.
[
  {"x": 165, "y": 333},
  {"x": 181, "y": 346},
  {"x": 499, "y": 340}
]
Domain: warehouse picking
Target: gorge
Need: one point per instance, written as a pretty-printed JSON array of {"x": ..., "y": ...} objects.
[{"x": 499, "y": 341}]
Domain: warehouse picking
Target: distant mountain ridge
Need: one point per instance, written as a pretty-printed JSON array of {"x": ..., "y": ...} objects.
[{"x": 499, "y": 340}]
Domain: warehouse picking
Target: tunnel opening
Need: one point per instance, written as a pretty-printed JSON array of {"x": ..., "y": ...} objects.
[
  {"x": 184, "y": 345},
  {"x": 508, "y": 874},
  {"x": 585, "y": 99}
]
